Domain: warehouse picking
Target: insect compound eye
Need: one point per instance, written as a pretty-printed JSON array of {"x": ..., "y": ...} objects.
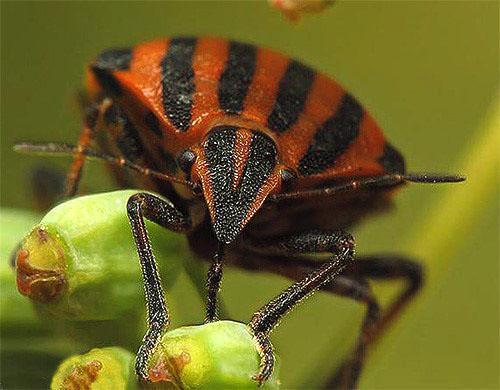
[
  {"x": 288, "y": 179},
  {"x": 185, "y": 160}
]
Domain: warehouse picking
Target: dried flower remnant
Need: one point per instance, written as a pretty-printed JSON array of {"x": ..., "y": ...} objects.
[
  {"x": 99, "y": 369},
  {"x": 41, "y": 266},
  {"x": 82, "y": 376},
  {"x": 294, "y": 9}
]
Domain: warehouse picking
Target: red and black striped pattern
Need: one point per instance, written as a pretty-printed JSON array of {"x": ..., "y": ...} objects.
[{"x": 180, "y": 88}]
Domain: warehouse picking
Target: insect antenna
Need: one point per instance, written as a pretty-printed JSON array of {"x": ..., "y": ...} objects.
[
  {"x": 384, "y": 181},
  {"x": 63, "y": 149},
  {"x": 433, "y": 178}
]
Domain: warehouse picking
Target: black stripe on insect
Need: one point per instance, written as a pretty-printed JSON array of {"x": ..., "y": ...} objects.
[{"x": 178, "y": 81}]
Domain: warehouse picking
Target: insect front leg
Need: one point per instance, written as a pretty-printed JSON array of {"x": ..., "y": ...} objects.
[
  {"x": 351, "y": 284},
  {"x": 163, "y": 213},
  {"x": 340, "y": 244},
  {"x": 344, "y": 285}
]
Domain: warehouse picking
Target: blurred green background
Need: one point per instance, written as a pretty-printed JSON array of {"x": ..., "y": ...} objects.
[{"x": 428, "y": 71}]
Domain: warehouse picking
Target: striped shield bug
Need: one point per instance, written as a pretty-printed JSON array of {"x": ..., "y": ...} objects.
[{"x": 263, "y": 161}]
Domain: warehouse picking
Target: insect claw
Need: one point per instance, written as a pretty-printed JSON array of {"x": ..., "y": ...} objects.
[{"x": 259, "y": 379}]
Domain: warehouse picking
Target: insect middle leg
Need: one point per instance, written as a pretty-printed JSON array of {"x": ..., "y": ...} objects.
[
  {"x": 103, "y": 123},
  {"x": 163, "y": 213},
  {"x": 378, "y": 268},
  {"x": 92, "y": 112}
]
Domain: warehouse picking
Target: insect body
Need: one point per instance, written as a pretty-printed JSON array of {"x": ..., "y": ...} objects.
[
  {"x": 263, "y": 159},
  {"x": 234, "y": 107}
]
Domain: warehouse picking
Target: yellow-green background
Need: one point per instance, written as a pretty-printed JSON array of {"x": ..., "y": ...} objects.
[{"x": 428, "y": 71}]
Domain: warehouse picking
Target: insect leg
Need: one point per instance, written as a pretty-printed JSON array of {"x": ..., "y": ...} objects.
[
  {"x": 92, "y": 111},
  {"x": 340, "y": 244},
  {"x": 164, "y": 213},
  {"x": 360, "y": 291},
  {"x": 379, "y": 268},
  {"x": 76, "y": 168},
  {"x": 351, "y": 284},
  {"x": 386, "y": 268}
]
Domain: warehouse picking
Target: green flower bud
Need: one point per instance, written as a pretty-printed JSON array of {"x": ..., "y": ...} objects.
[
  {"x": 216, "y": 355},
  {"x": 99, "y": 369},
  {"x": 80, "y": 261}
]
